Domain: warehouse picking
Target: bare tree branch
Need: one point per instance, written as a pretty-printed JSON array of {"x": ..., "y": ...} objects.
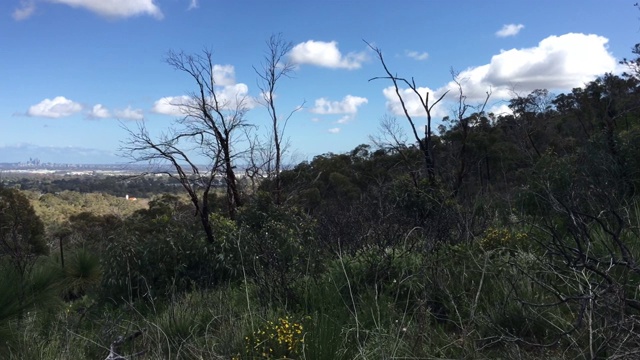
[
  {"x": 274, "y": 67},
  {"x": 425, "y": 145},
  {"x": 208, "y": 130}
]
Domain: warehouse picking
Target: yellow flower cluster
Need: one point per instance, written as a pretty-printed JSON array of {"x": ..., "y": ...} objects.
[
  {"x": 495, "y": 238},
  {"x": 282, "y": 339}
]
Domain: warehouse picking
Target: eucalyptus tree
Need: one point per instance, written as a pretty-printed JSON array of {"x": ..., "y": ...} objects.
[{"x": 21, "y": 231}]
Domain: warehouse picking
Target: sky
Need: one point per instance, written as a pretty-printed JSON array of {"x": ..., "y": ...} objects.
[{"x": 74, "y": 74}]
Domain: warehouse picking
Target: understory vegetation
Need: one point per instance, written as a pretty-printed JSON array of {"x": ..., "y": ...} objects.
[{"x": 519, "y": 239}]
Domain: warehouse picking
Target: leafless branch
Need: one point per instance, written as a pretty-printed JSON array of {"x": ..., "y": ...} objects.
[{"x": 426, "y": 144}]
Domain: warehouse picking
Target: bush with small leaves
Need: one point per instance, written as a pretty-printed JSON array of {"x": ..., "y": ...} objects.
[
  {"x": 501, "y": 237},
  {"x": 280, "y": 339}
]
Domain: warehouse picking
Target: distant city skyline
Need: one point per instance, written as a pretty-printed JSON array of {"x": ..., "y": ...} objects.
[{"x": 75, "y": 72}]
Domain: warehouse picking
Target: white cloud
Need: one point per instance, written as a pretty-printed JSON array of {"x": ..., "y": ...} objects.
[
  {"x": 99, "y": 112},
  {"x": 348, "y": 105},
  {"x": 130, "y": 114},
  {"x": 509, "y": 30},
  {"x": 325, "y": 54},
  {"x": 56, "y": 108},
  {"x": 171, "y": 105},
  {"x": 417, "y": 55},
  {"x": 345, "y": 119},
  {"x": 230, "y": 97},
  {"x": 334, "y": 130},
  {"x": 500, "y": 109},
  {"x": 224, "y": 75},
  {"x": 475, "y": 85},
  {"x": 557, "y": 63},
  {"x": 115, "y": 8},
  {"x": 193, "y": 5},
  {"x": 412, "y": 102},
  {"x": 26, "y": 9}
]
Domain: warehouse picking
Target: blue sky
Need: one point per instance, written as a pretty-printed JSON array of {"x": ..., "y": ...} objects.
[{"x": 74, "y": 71}]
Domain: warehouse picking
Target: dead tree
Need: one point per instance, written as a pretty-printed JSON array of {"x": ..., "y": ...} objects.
[
  {"x": 465, "y": 124},
  {"x": 260, "y": 157},
  {"x": 208, "y": 129},
  {"x": 273, "y": 68},
  {"x": 213, "y": 119},
  {"x": 392, "y": 138},
  {"x": 195, "y": 180},
  {"x": 426, "y": 146}
]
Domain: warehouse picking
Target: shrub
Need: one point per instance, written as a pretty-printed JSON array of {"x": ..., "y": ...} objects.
[
  {"x": 280, "y": 339},
  {"x": 21, "y": 231},
  {"x": 276, "y": 243}
]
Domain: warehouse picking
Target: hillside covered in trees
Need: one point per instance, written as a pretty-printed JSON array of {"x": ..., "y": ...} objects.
[{"x": 490, "y": 236}]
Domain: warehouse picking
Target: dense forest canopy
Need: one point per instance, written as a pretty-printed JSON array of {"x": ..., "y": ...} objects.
[{"x": 493, "y": 235}]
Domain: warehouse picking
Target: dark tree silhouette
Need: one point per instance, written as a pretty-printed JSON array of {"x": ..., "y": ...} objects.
[
  {"x": 208, "y": 130},
  {"x": 426, "y": 146}
]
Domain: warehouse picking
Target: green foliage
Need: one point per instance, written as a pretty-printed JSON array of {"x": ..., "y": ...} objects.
[
  {"x": 391, "y": 274},
  {"x": 325, "y": 339},
  {"x": 89, "y": 230},
  {"x": 524, "y": 246},
  {"x": 21, "y": 231},
  {"x": 499, "y": 238},
  {"x": 277, "y": 244},
  {"x": 153, "y": 266},
  {"x": 280, "y": 339},
  {"x": 160, "y": 251},
  {"x": 82, "y": 273},
  {"x": 11, "y": 306},
  {"x": 23, "y": 298},
  {"x": 115, "y": 186},
  {"x": 180, "y": 323}
]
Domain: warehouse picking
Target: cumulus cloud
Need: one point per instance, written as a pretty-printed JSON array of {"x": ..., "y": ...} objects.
[
  {"x": 116, "y": 8},
  {"x": 417, "y": 55},
  {"x": 509, "y": 30},
  {"x": 326, "y": 54},
  {"x": 499, "y": 109},
  {"x": 557, "y": 63},
  {"x": 130, "y": 114},
  {"x": 54, "y": 108},
  {"x": 334, "y": 130},
  {"x": 348, "y": 105},
  {"x": 412, "y": 101},
  {"x": 99, "y": 112},
  {"x": 24, "y": 11},
  {"x": 172, "y": 105},
  {"x": 230, "y": 97},
  {"x": 107, "y": 8},
  {"x": 224, "y": 75}
]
